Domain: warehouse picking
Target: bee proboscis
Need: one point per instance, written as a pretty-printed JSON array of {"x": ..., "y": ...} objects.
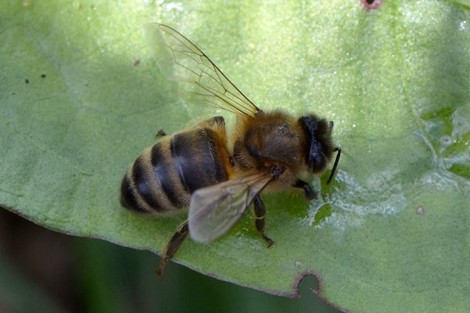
[{"x": 219, "y": 175}]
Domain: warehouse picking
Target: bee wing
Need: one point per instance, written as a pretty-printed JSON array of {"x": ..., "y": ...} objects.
[
  {"x": 213, "y": 210},
  {"x": 179, "y": 59}
]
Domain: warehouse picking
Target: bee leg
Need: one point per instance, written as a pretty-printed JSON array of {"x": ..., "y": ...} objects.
[
  {"x": 310, "y": 193},
  {"x": 172, "y": 246},
  {"x": 260, "y": 213},
  {"x": 215, "y": 123},
  {"x": 160, "y": 133},
  {"x": 219, "y": 121}
]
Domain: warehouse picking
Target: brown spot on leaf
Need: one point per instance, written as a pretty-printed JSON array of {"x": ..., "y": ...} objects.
[{"x": 371, "y": 4}]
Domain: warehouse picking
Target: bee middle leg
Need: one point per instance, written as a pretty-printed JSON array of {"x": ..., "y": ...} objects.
[
  {"x": 173, "y": 246},
  {"x": 260, "y": 213}
]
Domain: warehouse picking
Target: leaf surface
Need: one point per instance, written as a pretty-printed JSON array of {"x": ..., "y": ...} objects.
[{"x": 81, "y": 97}]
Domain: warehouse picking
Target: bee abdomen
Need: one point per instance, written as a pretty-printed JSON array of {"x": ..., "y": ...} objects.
[
  {"x": 200, "y": 159},
  {"x": 152, "y": 184},
  {"x": 163, "y": 178}
]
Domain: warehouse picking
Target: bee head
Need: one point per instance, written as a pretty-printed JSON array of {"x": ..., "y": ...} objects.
[{"x": 319, "y": 148}]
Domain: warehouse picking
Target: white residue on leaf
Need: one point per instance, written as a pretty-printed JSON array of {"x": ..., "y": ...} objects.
[
  {"x": 463, "y": 25},
  {"x": 352, "y": 203},
  {"x": 170, "y": 6}
]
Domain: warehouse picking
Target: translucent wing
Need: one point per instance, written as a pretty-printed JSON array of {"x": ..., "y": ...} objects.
[
  {"x": 179, "y": 59},
  {"x": 213, "y": 210}
]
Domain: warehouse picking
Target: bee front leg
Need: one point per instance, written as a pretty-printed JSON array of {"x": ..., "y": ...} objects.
[
  {"x": 173, "y": 246},
  {"x": 260, "y": 213},
  {"x": 310, "y": 193}
]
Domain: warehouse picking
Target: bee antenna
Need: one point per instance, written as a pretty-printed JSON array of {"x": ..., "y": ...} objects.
[{"x": 335, "y": 165}]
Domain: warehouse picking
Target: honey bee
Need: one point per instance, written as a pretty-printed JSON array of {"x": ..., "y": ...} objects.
[{"x": 219, "y": 175}]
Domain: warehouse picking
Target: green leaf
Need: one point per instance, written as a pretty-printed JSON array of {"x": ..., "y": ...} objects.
[{"x": 80, "y": 97}]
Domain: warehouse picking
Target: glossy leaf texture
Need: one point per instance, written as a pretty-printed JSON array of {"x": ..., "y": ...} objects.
[{"x": 81, "y": 96}]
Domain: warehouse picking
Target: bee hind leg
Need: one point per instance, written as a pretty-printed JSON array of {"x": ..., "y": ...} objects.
[
  {"x": 173, "y": 246},
  {"x": 216, "y": 123},
  {"x": 260, "y": 213},
  {"x": 160, "y": 133}
]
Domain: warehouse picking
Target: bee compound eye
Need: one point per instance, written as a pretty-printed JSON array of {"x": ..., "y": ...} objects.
[{"x": 318, "y": 162}]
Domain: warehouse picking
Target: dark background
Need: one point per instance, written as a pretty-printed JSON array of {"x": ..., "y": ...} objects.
[{"x": 44, "y": 271}]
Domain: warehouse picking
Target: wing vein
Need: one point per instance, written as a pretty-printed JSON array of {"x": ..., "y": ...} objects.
[{"x": 190, "y": 65}]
